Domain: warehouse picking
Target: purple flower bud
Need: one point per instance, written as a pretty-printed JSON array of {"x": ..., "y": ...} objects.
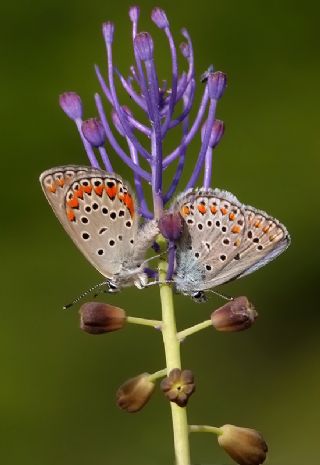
[
  {"x": 99, "y": 318},
  {"x": 93, "y": 131},
  {"x": 185, "y": 49},
  {"x": 170, "y": 226},
  {"x": 134, "y": 13},
  {"x": 143, "y": 45},
  {"x": 159, "y": 17},
  {"x": 216, "y": 84},
  {"x": 108, "y": 31},
  {"x": 237, "y": 315},
  {"x": 71, "y": 104},
  {"x": 216, "y": 133}
]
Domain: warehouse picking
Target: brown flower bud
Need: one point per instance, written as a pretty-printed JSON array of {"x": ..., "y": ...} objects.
[
  {"x": 246, "y": 446},
  {"x": 178, "y": 386},
  {"x": 236, "y": 315},
  {"x": 133, "y": 395},
  {"x": 99, "y": 318}
]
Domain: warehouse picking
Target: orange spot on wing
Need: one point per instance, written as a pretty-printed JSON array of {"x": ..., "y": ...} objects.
[
  {"x": 112, "y": 192},
  {"x": 257, "y": 224},
  {"x": 266, "y": 229},
  {"x": 128, "y": 201},
  {"x": 71, "y": 216},
  {"x": 185, "y": 210},
  {"x": 213, "y": 209},
  {"x": 223, "y": 210},
  {"x": 235, "y": 229},
  {"x": 202, "y": 208},
  {"x": 79, "y": 193},
  {"x": 52, "y": 188},
  {"x": 87, "y": 189},
  {"x": 60, "y": 182},
  {"x": 98, "y": 190},
  {"x": 231, "y": 216},
  {"x": 73, "y": 202}
]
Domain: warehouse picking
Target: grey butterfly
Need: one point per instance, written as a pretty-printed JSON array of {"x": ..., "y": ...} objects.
[
  {"x": 98, "y": 211},
  {"x": 222, "y": 240}
]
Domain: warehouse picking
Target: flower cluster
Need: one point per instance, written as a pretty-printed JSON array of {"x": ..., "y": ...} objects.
[{"x": 167, "y": 105}]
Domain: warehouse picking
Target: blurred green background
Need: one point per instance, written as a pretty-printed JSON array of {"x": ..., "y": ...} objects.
[{"x": 58, "y": 384}]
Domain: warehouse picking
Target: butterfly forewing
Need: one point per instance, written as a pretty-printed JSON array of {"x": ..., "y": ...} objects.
[{"x": 97, "y": 210}]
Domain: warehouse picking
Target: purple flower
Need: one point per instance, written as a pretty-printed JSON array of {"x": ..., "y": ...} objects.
[{"x": 166, "y": 104}]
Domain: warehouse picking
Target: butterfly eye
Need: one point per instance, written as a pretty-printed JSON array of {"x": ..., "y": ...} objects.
[{"x": 199, "y": 296}]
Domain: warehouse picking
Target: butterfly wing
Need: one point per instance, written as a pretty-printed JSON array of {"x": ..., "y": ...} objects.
[
  {"x": 222, "y": 239},
  {"x": 97, "y": 210}
]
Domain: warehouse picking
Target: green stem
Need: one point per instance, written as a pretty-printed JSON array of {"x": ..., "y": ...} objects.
[
  {"x": 205, "y": 429},
  {"x": 173, "y": 360},
  {"x": 193, "y": 329},
  {"x": 157, "y": 374},
  {"x": 144, "y": 321}
]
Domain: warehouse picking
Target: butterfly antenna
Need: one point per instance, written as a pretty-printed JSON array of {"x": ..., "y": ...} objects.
[
  {"x": 155, "y": 256},
  {"x": 223, "y": 296},
  {"x": 81, "y": 296}
]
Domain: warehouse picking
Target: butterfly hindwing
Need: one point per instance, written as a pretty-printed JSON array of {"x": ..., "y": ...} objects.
[{"x": 222, "y": 239}]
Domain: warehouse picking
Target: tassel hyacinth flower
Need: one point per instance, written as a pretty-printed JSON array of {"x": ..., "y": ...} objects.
[{"x": 97, "y": 210}]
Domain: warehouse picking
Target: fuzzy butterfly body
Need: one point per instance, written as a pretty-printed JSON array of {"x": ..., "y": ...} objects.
[
  {"x": 98, "y": 211},
  {"x": 222, "y": 240}
]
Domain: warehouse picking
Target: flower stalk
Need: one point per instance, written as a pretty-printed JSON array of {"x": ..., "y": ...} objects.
[{"x": 173, "y": 360}]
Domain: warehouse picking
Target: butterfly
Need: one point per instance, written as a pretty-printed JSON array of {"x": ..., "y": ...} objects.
[
  {"x": 98, "y": 210},
  {"x": 222, "y": 240}
]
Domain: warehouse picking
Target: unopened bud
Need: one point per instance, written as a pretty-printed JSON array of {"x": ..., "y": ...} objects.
[
  {"x": 94, "y": 132},
  {"x": 185, "y": 49},
  {"x": 134, "y": 13},
  {"x": 108, "y": 31},
  {"x": 217, "y": 83},
  {"x": 71, "y": 104},
  {"x": 143, "y": 45},
  {"x": 170, "y": 226},
  {"x": 178, "y": 386},
  {"x": 133, "y": 395},
  {"x": 216, "y": 132},
  {"x": 246, "y": 446},
  {"x": 159, "y": 17},
  {"x": 99, "y": 318},
  {"x": 236, "y": 315}
]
